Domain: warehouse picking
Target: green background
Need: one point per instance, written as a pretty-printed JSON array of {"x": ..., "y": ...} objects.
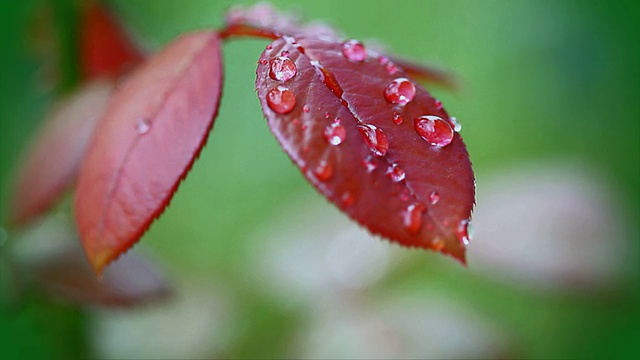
[{"x": 541, "y": 80}]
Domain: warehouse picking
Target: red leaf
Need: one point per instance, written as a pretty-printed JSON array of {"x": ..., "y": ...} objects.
[
  {"x": 52, "y": 161},
  {"x": 153, "y": 129},
  {"x": 371, "y": 158},
  {"x": 105, "y": 49}
]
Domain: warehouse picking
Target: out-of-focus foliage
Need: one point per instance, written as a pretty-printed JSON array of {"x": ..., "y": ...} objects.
[{"x": 265, "y": 267}]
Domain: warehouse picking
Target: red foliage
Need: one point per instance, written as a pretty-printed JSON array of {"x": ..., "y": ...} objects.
[
  {"x": 358, "y": 132},
  {"x": 152, "y": 131}
]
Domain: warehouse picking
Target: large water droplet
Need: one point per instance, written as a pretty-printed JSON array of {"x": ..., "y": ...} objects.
[
  {"x": 353, "y": 50},
  {"x": 434, "y": 197},
  {"x": 375, "y": 138},
  {"x": 369, "y": 164},
  {"x": 324, "y": 170},
  {"x": 396, "y": 173},
  {"x": 412, "y": 217},
  {"x": 281, "y": 100},
  {"x": 464, "y": 232},
  {"x": 282, "y": 68},
  {"x": 335, "y": 133},
  {"x": 401, "y": 91},
  {"x": 143, "y": 125},
  {"x": 434, "y": 130}
]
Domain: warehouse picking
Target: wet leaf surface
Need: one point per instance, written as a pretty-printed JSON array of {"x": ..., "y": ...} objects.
[
  {"x": 371, "y": 140},
  {"x": 154, "y": 127},
  {"x": 52, "y": 161}
]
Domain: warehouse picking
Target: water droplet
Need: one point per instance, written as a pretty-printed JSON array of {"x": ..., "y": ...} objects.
[
  {"x": 348, "y": 198},
  {"x": 296, "y": 121},
  {"x": 383, "y": 60},
  {"x": 433, "y": 130},
  {"x": 434, "y": 197},
  {"x": 455, "y": 124},
  {"x": 401, "y": 91},
  {"x": 397, "y": 118},
  {"x": 396, "y": 173},
  {"x": 305, "y": 109},
  {"x": 335, "y": 133},
  {"x": 438, "y": 244},
  {"x": 284, "y": 53},
  {"x": 282, "y": 68},
  {"x": 263, "y": 61},
  {"x": 336, "y": 120},
  {"x": 143, "y": 126},
  {"x": 438, "y": 104},
  {"x": 369, "y": 164},
  {"x": 281, "y": 100},
  {"x": 464, "y": 232},
  {"x": 269, "y": 47},
  {"x": 327, "y": 115},
  {"x": 392, "y": 69},
  {"x": 375, "y": 138},
  {"x": 412, "y": 217},
  {"x": 324, "y": 170},
  {"x": 353, "y": 50}
]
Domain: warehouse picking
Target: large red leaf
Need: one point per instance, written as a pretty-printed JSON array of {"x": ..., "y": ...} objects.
[
  {"x": 154, "y": 127},
  {"x": 105, "y": 49},
  {"x": 54, "y": 156},
  {"x": 374, "y": 159}
]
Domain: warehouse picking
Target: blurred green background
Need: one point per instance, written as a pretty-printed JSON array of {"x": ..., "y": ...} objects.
[{"x": 264, "y": 267}]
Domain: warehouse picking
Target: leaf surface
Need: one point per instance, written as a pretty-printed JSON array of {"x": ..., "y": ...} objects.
[
  {"x": 154, "y": 127},
  {"x": 105, "y": 49},
  {"x": 363, "y": 152},
  {"x": 54, "y": 156}
]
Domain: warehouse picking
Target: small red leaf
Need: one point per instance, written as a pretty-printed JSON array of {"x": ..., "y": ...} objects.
[
  {"x": 408, "y": 180},
  {"x": 57, "y": 150},
  {"x": 105, "y": 49},
  {"x": 154, "y": 128}
]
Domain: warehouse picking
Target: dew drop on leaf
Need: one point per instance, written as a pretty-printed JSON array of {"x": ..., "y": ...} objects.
[
  {"x": 143, "y": 125},
  {"x": 433, "y": 130},
  {"x": 392, "y": 69},
  {"x": 438, "y": 104},
  {"x": 455, "y": 124},
  {"x": 281, "y": 100},
  {"x": 305, "y": 109},
  {"x": 396, "y": 173},
  {"x": 335, "y": 133},
  {"x": 397, "y": 119},
  {"x": 324, "y": 170},
  {"x": 401, "y": 91},
  {"x": 282, "y": 68},
  {"x": 354, "y": 51},
  {"x": 463, "y": 231},
  {"x": 375, "y": 138},
  {"x": 434, "y": 197},
  {"x": 368, "y": 164},
  {"x": 412, "y": 217},
  {"x": 348, "y": 198}
]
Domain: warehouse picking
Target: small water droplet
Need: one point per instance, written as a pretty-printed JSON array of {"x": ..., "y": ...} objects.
[
  {"x": 282, "y": 68},
  {"x": 375, "y": 138},
  {"x": 434, "y": 197},
  {"x": 284, "y": 53},
  {"x": 412, "y": 217},
  {"x": 401, "y": 91},
  {"x": 143, "y": 126},
  {"x": 464, "y": 232},
  {"x": 281, "y": 100},
  {"x": 296, "y": 121},
  {"x": 263, "y": 61},
  {"x": 348, "y": 198},
  {"x": 438, "y": 244},
  {"x": 305, "y": 109},
  {"x": 383, "y": 60},
  {"x": 336, "y": 120},
  {"x": 392, "y": 69},
  {"x": 324, "y": 170},
  {"x": 353, "y": 50},
  {"x": 335, "y": 133},
  {"x": 369, "y": 163},
  {"x": 433, "y": 130},
  {"x": 438, "y": 104},
  {"x": 396, "y": 173},
  {"x": 269, "y": 47},
  {"x": 303, "y": 127},
  {"x": 327, "y": 115},
  {"x": 455, "y": 124},
  {"x": 397, "y": 118}
]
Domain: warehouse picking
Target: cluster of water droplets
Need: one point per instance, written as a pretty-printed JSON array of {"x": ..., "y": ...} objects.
[{"x": 281, "y": 68}]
